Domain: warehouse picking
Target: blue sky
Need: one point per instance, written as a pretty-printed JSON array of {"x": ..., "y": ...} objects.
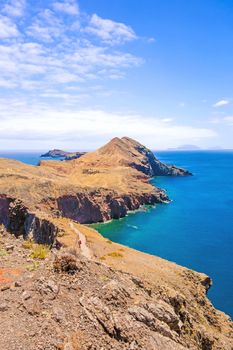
[{"x": 73, "y": 74}]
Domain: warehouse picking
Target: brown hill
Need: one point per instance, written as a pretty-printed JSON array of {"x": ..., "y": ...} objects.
[
  {"x": 95, "y": 294},
  {"x": 99, "y": 186},
  {"x": 126, "y": 152}
]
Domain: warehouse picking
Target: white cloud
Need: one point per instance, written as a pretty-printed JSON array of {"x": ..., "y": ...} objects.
[
  {"x": 15, "y": 8},
  {"x": 8, "y": 29},
  {"x": 151, "y": 40},
  {"x": 167, "y": 120},
  {"x": 64, "y": 125},
  {"x": 46, "y": 70},
  {"x": 52, "y": 49},
  {"x": 109, "y": 31},
  {"x": 221, "y": 103},
  {"x": 46, "y": 26},
  {"x": 68, "y": 6},
  {"x": 40, "y": 67}
]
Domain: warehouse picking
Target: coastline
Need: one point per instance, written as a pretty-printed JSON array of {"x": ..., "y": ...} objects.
[{"x": 71, "y": 193}]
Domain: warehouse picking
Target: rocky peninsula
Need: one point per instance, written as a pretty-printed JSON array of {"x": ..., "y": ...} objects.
[
  {"x": 57, "y": 153},
  {"x": 86, "y": 292}
]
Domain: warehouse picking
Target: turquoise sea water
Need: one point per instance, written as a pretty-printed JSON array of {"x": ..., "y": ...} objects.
[{"x": 195, "y": 229}]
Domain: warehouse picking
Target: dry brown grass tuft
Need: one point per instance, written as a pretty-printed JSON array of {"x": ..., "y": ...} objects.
[
  {"x": 39, "y": 251},
  {"x": 115, "y": 255}
]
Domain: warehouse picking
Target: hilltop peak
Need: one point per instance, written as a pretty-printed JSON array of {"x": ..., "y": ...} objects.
[{"x": 127, "y": 152}]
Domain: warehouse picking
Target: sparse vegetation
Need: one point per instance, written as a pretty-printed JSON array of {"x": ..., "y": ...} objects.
[
  {"x": 39, "y": 251},
  {"x": 115, "y": 255},
  {"x": 102, "y": 258},
  {"x": 28, "y": 244},
  {"x": 61, "y": 233},
  {"x": 32, "y": 267},
  {"x": 66, "y": 263}
]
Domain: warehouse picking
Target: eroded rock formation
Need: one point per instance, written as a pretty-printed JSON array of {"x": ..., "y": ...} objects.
[
  {"x": 68, "y": 302},
  {"x": 113, "y": 298},
  {"x": 99, "y": 186}
]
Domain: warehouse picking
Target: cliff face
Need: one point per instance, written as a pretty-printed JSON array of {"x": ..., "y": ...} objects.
[
  {"x": 137, "y": 156},
  {"x": 130, "y": 153},
  {"x": 99, "y": 186},
  {"x": 120, "y": 299},
  {"x": 19, "y": 221},
  {"x": 100, "y": 206},
  {"x": 96, "y": 294}
]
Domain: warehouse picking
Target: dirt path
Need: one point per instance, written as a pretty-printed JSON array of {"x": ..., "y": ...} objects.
[{"x": 85, "y": 251}]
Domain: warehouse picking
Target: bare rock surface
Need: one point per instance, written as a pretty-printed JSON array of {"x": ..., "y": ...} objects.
[
  {"x": 70, "y": 302},
  {"x": 80, "y": 291}
]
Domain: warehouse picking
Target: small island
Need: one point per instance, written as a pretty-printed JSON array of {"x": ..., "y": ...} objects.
[
  {"x": 57, "y": 153},
  {"x": 77, "y": 288}
]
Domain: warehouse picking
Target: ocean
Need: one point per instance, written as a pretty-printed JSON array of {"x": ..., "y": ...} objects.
[{"x": 194, "y": 230}]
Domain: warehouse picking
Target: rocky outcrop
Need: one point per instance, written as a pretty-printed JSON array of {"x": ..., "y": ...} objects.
[
  {"x": 67, "y": 302},
  {"x": 117, "y": 298},
  {"x": 74, "y": 155},
  {"x": 130, "y": 153},
  {"x": 57, "y": 153},
  {"x": 98, "y": 206},
  {"x": 150, "y": 165},
  {"x": 18, "y": 220},
  {"x": 99, "y": 186}
]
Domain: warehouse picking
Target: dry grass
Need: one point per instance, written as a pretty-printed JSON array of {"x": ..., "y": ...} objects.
[
  {"x": 115, "y": 255},
  {"x": 39, "y": 251},
  {"x": 108, "y": 241},
  {"x": 32, "y": 267},
  {"x": 28, "y": 244},
  {"x": 102, "y": 258}
]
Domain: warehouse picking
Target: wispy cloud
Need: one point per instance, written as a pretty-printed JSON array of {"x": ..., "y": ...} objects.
[
  {"x": 221, "y": 103},
  {"x": 14, "y": 8},
  {"x": 51, "y": 49},
  {"x": 167, "y": 120},
  {"x": 109, "y": 31},
  {"x": 53, "y": 60},
  {"x": 68, "y": 6},
  {"x": 8, "y": 28},
  {"x": 64, "y": 126}
]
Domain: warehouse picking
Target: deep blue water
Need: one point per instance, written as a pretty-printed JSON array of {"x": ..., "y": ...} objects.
[
  {"x": 195, "y": 229},
  {"x": 32, "y": 158}
]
